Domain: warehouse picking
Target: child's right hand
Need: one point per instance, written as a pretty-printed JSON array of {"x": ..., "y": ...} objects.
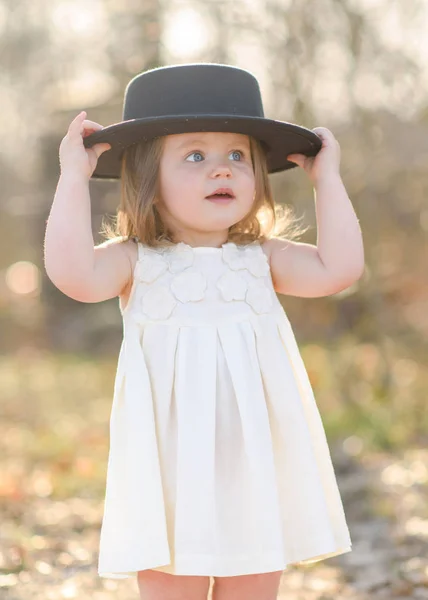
[{"x": 73, "y": 156}]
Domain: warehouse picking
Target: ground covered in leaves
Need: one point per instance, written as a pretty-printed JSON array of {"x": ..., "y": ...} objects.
[{"x": 52, "y": 474}]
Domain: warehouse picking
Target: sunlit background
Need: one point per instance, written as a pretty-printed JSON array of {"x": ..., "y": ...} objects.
[{"x": 358, "y": 67}]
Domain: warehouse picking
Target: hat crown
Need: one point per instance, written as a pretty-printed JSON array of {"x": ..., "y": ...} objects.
[
  {"x": 185, "y": 98},
  {"x": 195, "y": 89}
]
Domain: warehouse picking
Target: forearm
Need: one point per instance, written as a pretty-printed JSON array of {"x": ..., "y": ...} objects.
[
  {"x": 69, "y": 244},
  {"x": 339, "y": 238}
]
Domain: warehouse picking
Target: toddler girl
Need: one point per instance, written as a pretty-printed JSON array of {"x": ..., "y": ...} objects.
[{"x": 218, "y": 463}]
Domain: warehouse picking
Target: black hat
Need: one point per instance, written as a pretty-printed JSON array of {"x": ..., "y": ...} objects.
[{"x": 198, "y": 97}]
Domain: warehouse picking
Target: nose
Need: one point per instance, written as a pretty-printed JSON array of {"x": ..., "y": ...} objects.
[{"x": 221, "y": 170}]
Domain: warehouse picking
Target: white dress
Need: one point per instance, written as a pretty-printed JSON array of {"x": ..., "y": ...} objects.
[{"x": 218, "y": 461}]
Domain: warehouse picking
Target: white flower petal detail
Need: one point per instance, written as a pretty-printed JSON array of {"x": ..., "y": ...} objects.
[
  {"x": 179, "y": 258},
  {"x": 232, "y": 286},
  {"x": 250, "y": 257},
  {"x": 158, "y": 302},
  {"x": 189, "y": 286},
  {"x": 234, "y": 256},
  {"x": 257, "y": 263},
  {"x": 259, "y": 297},
  {"x": 150, "y": 267}
]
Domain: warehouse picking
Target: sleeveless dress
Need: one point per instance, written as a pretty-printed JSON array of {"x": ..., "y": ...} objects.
[{"x": 218, "y": 462}]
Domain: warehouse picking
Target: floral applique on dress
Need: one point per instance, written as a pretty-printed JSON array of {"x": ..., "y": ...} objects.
[
  {"x": 243, "y": 279},
  {"x": 250, "y": 257},
  {"x": 150, "y": 267},
  {"x": 180, "y": 258},
  {"x": 233, "y": 286},
  {"x": 187, "y": 285},
  {"x": 211, "y": 394}
]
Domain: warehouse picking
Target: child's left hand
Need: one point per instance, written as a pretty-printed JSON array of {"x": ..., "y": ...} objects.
[{"x": 326, "y": 162}]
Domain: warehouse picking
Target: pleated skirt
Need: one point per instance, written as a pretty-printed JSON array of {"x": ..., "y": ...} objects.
[{"x": 218, "y": 463}]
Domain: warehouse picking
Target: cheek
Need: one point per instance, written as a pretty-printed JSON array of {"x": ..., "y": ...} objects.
[
  {"x": 179, "y": 186},
  {"x": 250, "y": 184},
  {"x": 174, "y": 178},
  {"x": 180, "y": 198}
]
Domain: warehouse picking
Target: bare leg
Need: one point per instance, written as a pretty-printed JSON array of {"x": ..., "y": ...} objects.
[
  {"x": 258, "y": 586},
  {"x": 156, "y": 585}
]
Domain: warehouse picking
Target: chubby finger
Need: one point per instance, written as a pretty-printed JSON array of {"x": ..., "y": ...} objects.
[
  {"x": 78, "y": 120},
  {"x": 92, "y": 124},
  {"x": 298, "y": 159},
  {"x": 322, "y": 130},
  {"x": 75, "y": 126},
  {"x": 325, "y": 134},
  {"x": 89, "y": 127},
  {"x": 100, "y": 148}
]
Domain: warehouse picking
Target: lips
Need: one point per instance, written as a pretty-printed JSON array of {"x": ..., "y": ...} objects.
[{"x": 225, "y": 193}]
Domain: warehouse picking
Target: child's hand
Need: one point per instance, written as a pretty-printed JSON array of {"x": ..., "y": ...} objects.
[
  {"x": 73, "y": 156},
  {"x": 326, "y": 162}
]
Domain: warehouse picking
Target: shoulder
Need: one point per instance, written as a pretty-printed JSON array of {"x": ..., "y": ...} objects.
[
  {"x": 297, "y": 270},
  {"x": 120, "y": 246},
  {"x": 266, "y": 247},
  {"x": 120, "y": 254},
  {"x": 273, "y": 244},
  {"x": 280, "y": 269}
]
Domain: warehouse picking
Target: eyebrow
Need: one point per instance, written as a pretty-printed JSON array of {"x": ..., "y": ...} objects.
[{"x": 193, "y": 141}]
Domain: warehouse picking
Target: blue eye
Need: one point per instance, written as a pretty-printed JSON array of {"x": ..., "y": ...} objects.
[
  {"x": 236, "y": 152},
  {"x": 196, "y": 152}
]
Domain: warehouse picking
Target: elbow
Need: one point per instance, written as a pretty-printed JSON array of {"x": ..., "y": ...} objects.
[
  {"x": 52, "y": 275},
  {"x": 355, "y": 266},
  {"x": 80, "y": 290},
  {"x": 354, "y": 270},
  {"x": 346, "y": 280},
  {"x": 358, "y": 271},
  {"x": 350, "y": 278}
]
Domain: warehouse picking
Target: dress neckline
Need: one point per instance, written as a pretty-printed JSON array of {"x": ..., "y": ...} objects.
[
  {"x": 203, "y": 249},
  {"x": 206, "y": 248}
]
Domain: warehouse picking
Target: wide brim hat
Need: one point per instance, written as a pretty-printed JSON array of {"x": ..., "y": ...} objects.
[{"x": 198, "y": 97}]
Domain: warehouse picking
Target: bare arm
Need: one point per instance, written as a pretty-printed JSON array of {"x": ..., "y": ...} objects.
[
  {"x": 340, "y": 243},
  {"x": 69, "y": 245},
  {"x": 72, "y": 263},
  {"x": 337, "y": 261}
]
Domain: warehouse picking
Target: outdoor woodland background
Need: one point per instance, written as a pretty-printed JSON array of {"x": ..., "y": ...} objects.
[{"x": 357, "y": 67}]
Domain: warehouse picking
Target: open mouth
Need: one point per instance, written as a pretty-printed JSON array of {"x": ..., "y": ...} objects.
[
  {"x": 221, "y": 198},
  {"x": 222, "y": 194}
]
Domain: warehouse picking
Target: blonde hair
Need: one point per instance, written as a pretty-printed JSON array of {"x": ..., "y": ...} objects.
[{"x": 137, "y": 214}]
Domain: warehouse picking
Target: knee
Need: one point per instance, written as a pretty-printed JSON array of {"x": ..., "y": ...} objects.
[
  {"x": 156, "y": 585},
  {"x": 257, "y": 586}
]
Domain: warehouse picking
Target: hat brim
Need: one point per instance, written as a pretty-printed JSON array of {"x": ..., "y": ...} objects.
[{"x": 280, "y": 137}]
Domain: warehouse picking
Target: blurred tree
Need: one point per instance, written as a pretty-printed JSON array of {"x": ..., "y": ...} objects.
[{"x": 353, "y": 69}]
